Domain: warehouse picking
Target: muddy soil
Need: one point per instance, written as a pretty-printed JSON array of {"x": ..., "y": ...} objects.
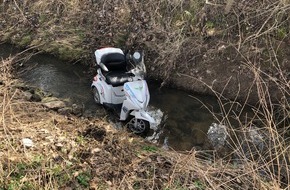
[{"x": 225, "y": 75}]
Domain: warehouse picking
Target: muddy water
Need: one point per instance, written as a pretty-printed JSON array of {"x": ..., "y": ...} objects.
[{"x": 187, "y": 119}]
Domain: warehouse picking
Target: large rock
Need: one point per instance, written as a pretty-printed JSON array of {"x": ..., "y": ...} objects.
[
  {"x": 77, "y": 110},
  {"x": 49, "y": 99},
  {"x": 253, "y": 141},
  {"x": 217, "y": 135},
  {"x": 65, "y": 110},
  {"x": 55, "y": 105},
  {"x": 27, "y": 95}
]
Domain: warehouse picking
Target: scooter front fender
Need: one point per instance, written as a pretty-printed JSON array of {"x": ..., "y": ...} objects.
[{"x": 141, "y": 114}]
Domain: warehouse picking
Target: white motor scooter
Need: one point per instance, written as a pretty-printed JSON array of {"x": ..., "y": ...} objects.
[{"x": 116, "y": 85}]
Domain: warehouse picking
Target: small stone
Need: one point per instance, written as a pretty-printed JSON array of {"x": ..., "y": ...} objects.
[
  {"x": 208, "y": 72},
  {"x": 27, "y": 95},
  {"x": 109, "y": 183},
  {"x": 38, "y": 94},
  {"x": 59, "y": 145},
  {"x": 50, "y": 138},
  {"x": 222, "y": 47},
  {"x": 55, "y": 105},
  {"x": 49, "y": 99},
  {"x": 36, "y": 98},
  {"x": 95, "y": 150},
  {"x": 88, "y": 114},
  {"x": 65, "y": 111},
  {"x": 27, "y": 142},
  {"x": 76, "y": 110}
]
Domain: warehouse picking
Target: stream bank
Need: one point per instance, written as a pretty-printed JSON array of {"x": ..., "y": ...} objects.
[{"x": 187, "y": 117}]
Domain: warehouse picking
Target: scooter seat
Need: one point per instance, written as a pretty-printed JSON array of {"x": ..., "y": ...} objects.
[
  {"x": 114, "y": 61},
  {"x": 117, "y": 78}
]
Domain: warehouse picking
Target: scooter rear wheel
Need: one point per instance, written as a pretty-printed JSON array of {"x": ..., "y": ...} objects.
[
  {"x": 96, "y": 95},
  {"x": 138, "y": 126}
]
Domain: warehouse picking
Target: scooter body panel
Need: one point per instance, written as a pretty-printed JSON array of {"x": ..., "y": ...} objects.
[
  {"x": 108, "y": 93},
  {"x": 127, "y": 107},
  {"x": 103, "y": 88},
  {"x": 118, "y": 95},
  {"x": 137, "y": 91},
  {"x": 136, "y": 102}
]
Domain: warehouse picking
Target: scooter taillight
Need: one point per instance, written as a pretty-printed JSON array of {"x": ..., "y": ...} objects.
[{"x": 95, "y": 78}]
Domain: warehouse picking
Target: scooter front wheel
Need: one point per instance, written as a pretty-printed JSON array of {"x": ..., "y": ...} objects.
[
  {"x": 138, "y": 126},
  {"x": 96, "y": 95}
]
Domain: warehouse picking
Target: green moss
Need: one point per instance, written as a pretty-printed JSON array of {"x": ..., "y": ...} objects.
[
  {"x": 150, "y": 148},
  {"x": 25, "y": 40},
  {"x": 19, "y": 171},
  {"x": 178, "y": 186},
  {"x": 136, "y": 185},
  {"x": 199, "y": 185},
  {"x": 84, "y": 179},
  {"x": 282, "y": 33},
  {"x": 209, "y": 24},
  {"x": 42, "y": 18},
  {"x": 64, "y": 52}
]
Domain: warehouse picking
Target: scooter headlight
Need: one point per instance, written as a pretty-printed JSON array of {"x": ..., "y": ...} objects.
[{"x": 137, "y": 57}]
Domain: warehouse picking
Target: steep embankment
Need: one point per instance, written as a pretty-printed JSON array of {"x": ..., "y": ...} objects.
[{"x": 201, "y": 46}]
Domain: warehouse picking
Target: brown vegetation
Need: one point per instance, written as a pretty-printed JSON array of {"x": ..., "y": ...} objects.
[{"x": 227, "y": 48}]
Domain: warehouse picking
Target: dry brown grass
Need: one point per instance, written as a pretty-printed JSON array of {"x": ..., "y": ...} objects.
[
  {"x": 68, "y": 153},
  {"x": 243, "y": 163},
  {"x": 266, "y": 164},
  {"x": 55, "y": 159}
]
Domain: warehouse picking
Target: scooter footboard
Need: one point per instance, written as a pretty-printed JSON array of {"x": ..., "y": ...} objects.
[{"x": 141, "y": 114}]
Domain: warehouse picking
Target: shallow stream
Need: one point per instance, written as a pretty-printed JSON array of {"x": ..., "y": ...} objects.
[{"x": 187, "y": 119}]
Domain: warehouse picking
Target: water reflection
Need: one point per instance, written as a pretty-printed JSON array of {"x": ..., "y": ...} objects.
[{"x": 188, "y": 119}]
